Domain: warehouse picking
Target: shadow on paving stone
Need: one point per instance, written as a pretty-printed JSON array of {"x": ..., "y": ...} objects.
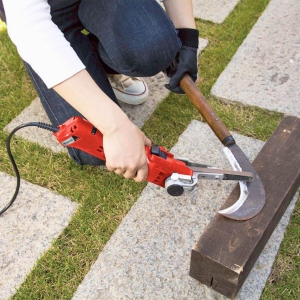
[
  {"x": 28, "y": 227},
  {"x": 148, "y": 257}
]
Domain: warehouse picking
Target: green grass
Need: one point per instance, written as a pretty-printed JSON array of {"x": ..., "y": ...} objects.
[
  {"x": 284, "y": 282},
  {"x": 105, "y": 198}
]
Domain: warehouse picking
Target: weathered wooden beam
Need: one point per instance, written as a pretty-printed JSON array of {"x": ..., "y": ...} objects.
[{"x": 225, "y": 253}]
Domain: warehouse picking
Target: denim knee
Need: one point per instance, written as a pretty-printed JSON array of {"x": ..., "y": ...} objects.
[
  {"x": 136, "y": 38},
  {"x": 155, "y": 54}
]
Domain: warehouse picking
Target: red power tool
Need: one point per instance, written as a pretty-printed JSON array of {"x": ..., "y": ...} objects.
[{"x": 176, "y": 175}]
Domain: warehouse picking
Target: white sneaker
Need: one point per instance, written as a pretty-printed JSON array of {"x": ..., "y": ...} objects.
[{"x": 130, "y": 90}]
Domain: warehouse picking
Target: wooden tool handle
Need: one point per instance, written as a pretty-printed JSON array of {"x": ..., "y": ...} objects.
[{"x": 205, "y": 109}]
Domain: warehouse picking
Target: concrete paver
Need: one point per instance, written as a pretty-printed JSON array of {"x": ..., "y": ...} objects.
[
  {"x": 214, "y": 10},
  {"x": 28, "y": 228},
  {"x": 148, "y": 257},
  {"x": 35, "y": 113},
  {"x": 265, "y": 70}
]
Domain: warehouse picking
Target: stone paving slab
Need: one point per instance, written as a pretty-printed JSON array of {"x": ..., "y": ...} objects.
[
  {"x": 265, "y": 70},
  {"x": 138, "y": 114},
  {"x": 35, "y": 113},
  {"x": 214, "y": 10},
  {"x": 148, "y": 257},
  {"x": 28, "y": 228}
]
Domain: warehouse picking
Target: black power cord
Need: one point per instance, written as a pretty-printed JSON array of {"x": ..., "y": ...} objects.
[{"x": 8, "y": 142}]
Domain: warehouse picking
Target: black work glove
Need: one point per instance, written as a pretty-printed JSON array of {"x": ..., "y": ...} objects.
[{"x": 186, "y": 60}]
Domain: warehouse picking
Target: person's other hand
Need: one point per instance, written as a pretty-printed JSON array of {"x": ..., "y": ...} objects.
[
  {"x": 186, "y": 60},
  {"x": 125, "y": 152}
]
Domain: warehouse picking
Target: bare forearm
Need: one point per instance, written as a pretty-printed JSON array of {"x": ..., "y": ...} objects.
[
  {"x": 181, "y": 13},
  {"x": 84, "y": 95}
]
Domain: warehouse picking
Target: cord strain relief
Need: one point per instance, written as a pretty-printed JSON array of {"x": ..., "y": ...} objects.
[{"x": 47, "y": 127}]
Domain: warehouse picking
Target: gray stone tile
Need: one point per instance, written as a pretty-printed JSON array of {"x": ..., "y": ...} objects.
[
  {"x": 137, "y": 114},
  {"x": 28, "y": 227},
  {"x": 148, "y": 256},
  {"x": 35, "y": 113},
  {"x": 213, "y": 10},
  {"x": 265, "y": 71}
]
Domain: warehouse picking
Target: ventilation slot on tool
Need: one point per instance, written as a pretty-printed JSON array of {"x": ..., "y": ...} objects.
[
  {"x": 100, "y": 149},
  {"x": 159, "y": 177}
]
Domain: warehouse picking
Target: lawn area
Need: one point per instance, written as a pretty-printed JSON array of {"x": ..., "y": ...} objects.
[{"x": 61, "y": 269}]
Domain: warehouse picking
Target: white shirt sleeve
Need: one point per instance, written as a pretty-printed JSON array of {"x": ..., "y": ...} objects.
[{"x": 40, "y": 42}]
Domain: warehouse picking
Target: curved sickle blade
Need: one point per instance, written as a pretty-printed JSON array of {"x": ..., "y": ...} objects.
[{"x": 252, "y": 194}]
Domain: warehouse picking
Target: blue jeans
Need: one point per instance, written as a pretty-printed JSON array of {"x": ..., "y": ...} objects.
[{"x": 135, "y": 38}]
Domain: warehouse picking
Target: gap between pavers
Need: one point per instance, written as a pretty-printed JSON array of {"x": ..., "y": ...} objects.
[
  {"x": 148, "y": 257},
  {"x": 138, "y": 114},
  {"x": 265, "y": 70},
  {"x": 214, "y": 10},
  {"x": 28, "y": 227}
]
